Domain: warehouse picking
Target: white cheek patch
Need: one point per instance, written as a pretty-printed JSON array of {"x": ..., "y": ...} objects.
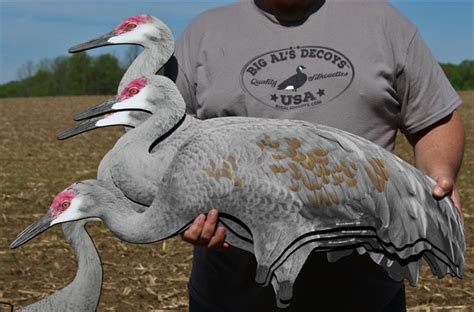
[
  {"x": 70, "y": 214},
  {"x": 138, "y": 35},
  {"x": 118, "y": 118},
  {"x": 138, "y": 101}
]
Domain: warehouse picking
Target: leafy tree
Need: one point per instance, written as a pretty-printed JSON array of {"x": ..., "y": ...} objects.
[
  {"x": 11, "y": 89},
  {"x": 79, "y": 74},
  {"x": 466, "y": 72},
  {"x": 41, "y": 84},
  {"x": 106, "y": 69},
  {"x": 59, "y": 68},
  {"x": 461, "y": 76}
]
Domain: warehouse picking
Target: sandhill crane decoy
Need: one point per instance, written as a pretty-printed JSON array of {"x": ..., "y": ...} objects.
[
  {"x": 120, "y": 102},
  {"x": 294, "y": 82},
  {"x": 145, "y": 30},
  {"x": 293, "y": 186},
  {"x": 83, "y": 293},
  {"x": 116, "y": 111}
]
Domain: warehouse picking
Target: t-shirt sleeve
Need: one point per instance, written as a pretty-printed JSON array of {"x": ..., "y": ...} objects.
[
  {"x": 185, "y": 50},
  {"x": 425, "y": 93}
]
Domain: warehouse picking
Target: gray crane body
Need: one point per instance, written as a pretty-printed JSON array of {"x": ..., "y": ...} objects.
[{"x": 284, "y": 189}]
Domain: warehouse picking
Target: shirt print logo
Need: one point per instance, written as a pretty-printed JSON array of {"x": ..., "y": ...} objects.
[{"x": 297, "y": 77}]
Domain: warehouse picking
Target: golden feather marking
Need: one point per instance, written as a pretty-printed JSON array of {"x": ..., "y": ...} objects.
[
  {"x": 348, "y": 173},
  {"x": 292, "y": 153},
  {"x": 354, "y": 165},
  {"x": 320, "y": 152},
  {"x": 311, "y": 185},
  {"x": 313, "y": 201},
  {"x": 337, "y": 179},
  {"x": 294, "y": 171},
  {"x": 274, "y": 144},
  {"x": 294, "y": 187},
  {"x": 294, "y": 143},
  {"x": 278, "y": 168},
  {"x": 352, "y": 182},
  {"x": 299, "y": 157},
  {"x": 376, "y": 181},
  {"x": 379, "y": 168},
  {"x": 237, "y": 183},
  {"x": 278, "y": 156},
  {"x": 325, "y": 161},
  {"x": 308, "y": 165},
  {"x": 326, "y": 171}
]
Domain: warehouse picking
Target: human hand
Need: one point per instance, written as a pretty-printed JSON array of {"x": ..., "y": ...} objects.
[
  {"x": 205, "y": 232},
  {"x": 446, "y": 186}
]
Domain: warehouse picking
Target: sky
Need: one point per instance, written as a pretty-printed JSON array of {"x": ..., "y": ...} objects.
[{"x": 33, "y": 30}]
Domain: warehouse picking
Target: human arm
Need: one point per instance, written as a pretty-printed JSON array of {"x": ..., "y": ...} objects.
[
  {"x": 439, "y": 152},
  {"x": 428, "y": 116}
]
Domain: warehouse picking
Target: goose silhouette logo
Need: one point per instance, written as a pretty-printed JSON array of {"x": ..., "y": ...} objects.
[
  {"x": 295, "y": 81},
  {"x": 297, "y": 77}
]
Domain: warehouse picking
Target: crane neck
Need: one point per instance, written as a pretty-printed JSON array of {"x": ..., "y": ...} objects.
[
  {"x": 149, "y": 62},
  {"x": 84, "y": 291},
  {"x": 89, "y": 272},
  {"x": 157, "y": 51},
  {"x": 169, "y": 113},
  {"x": 158, "y": 222},
  {"x": 139, "y": 162}
]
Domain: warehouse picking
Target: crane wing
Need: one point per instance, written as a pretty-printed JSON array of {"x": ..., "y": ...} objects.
[{"x": 301, "y": 187}]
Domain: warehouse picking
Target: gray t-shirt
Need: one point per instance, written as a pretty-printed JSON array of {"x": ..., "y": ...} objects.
[{"x": 355, "y": 65}]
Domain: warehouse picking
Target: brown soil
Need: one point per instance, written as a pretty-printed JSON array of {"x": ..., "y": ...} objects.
[{"x": 35, "y": 167}]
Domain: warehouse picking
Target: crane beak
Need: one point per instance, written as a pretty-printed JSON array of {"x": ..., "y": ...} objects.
[
  {"x": 82, "y": 127},
  {"x": 122, "y": 118},
  {"x": 105, "y": 107},
  {"x": 94, "y": 43},
  {"x": 33, "y": 230},
  {"x": 113, "y": 106}
]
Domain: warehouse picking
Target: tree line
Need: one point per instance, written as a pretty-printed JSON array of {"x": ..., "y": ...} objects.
[
  {"x": 82, "y": 74},
  {"x": 461, "y": 76},
  {"x": 79, "y": 74}
]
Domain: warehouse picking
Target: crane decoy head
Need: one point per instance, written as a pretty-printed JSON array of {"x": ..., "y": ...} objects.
[
  {"x": 131, "y": 107},
  {"x": 144, "y": 93},
  {"x": 134, "y": 104},
  {"x": 132, "y": 97},
  {"x": 63, "y": 208},
  {"x": 66, "y": 206},
  {"x": 139, "y": 29}
]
